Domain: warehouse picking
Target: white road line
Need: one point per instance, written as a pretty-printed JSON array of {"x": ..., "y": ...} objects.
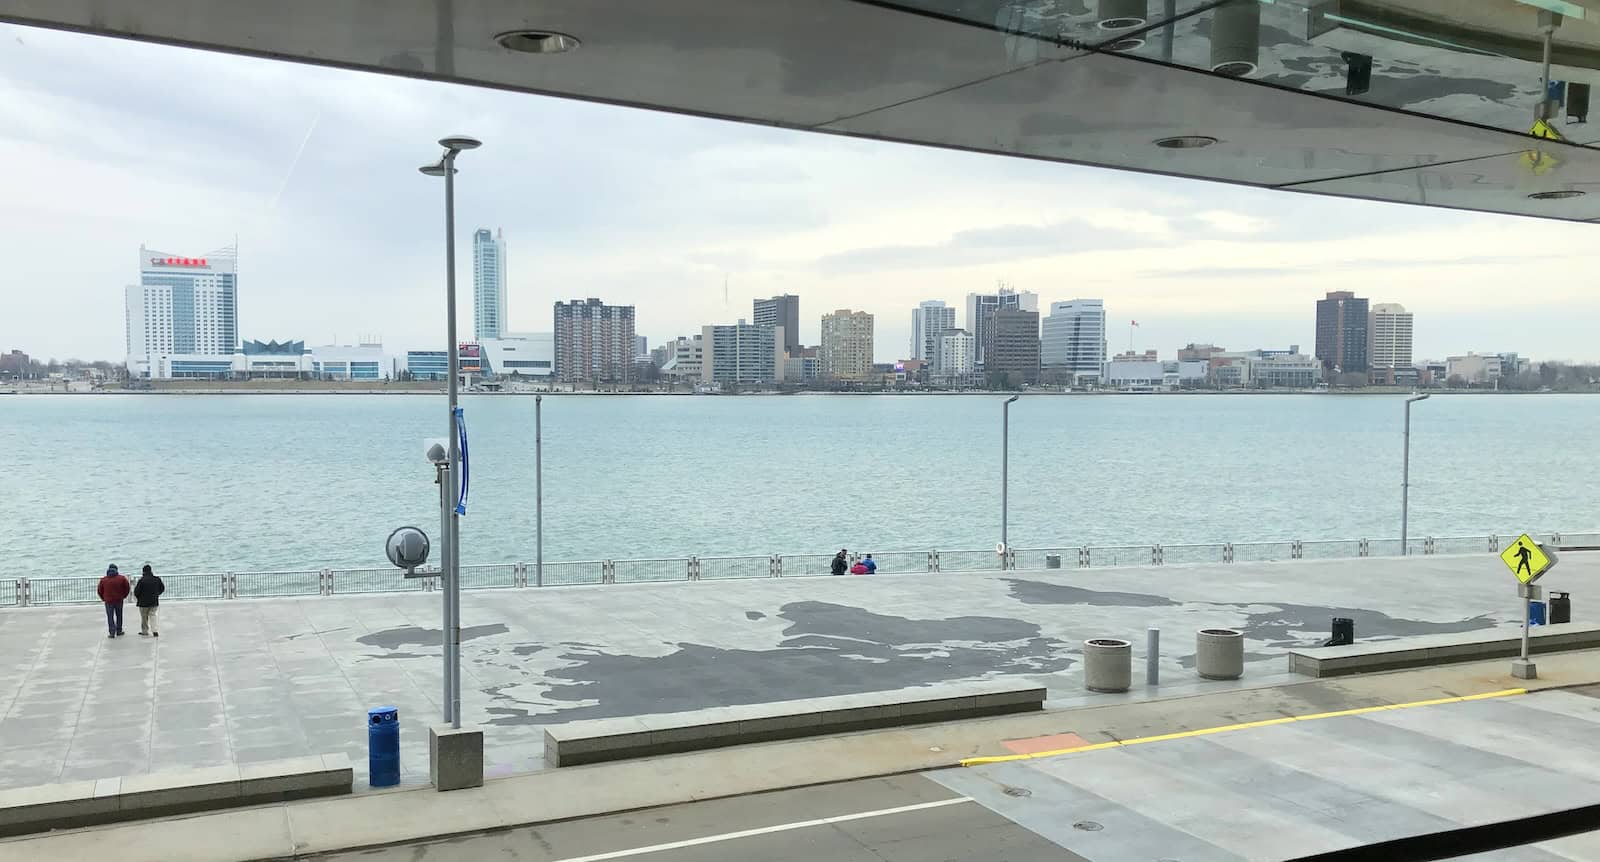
[{"x": 765, "y": 830}]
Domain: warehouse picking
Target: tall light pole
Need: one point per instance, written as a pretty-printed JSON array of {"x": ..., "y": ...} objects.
[
  {"x": 451, "y": 568},
  {"x": 1405, "y": 477},
  {"x": 1005, "y": 478},
  {"x": 538, "y": 491}
]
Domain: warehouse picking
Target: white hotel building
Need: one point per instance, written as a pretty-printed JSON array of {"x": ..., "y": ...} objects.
[{"x": 182, "y": 318}]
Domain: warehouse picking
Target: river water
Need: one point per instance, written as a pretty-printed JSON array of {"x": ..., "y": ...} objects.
[{"x": 251, "y": 482}]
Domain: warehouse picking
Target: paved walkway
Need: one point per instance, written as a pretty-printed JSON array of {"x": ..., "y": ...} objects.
[
  {"x": 567, "y": 815},
  {"x": 251, "y": 680}
]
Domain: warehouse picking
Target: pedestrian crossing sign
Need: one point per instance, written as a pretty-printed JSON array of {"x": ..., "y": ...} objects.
[{"x": 1527, "y": 559}]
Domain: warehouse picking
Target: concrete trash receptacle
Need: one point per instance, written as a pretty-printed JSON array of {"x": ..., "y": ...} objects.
[
  {"x": 1107, "y": 664},
  {"x": 1219, "y": 653},
  {"x": 1052, "y": 561}
]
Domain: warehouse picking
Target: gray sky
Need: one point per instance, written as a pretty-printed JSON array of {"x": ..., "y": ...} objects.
[{"x": 109, "y": 144}]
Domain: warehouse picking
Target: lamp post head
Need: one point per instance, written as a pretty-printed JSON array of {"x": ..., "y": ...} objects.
[
  {"x": 1422, "y": 397},
  {"x": 1012, "y": 398},
  {"x": 460, "y": 142},
  {"x": 433, "y": 170}
]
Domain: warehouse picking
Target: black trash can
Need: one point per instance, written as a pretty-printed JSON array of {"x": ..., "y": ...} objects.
[
  {"x": 1344, "y": 632},
  {"x": 1560, "y": 607}
]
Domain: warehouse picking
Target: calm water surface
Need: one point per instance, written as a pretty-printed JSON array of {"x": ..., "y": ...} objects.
[{"x": 256, "y": 482}]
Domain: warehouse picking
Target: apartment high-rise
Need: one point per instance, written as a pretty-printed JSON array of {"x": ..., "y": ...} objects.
[
  {"x": 1012, "y": 346},
  {"x": 781, "y": 311},
  {"x": 979, "y": 305},
  {"x": 1342, "y": 332},
  {"x": 742, "y": 353},
  {"x": 182, "y": 307},
  {"x": 1389, "y": 336},
  {"x": 954, "y": 354},
  {"x": 593, "y": 341},
  {"x": 929, "y": 320},
  {"x": 1074, "y": 338},
  {"x": 488, "y": 284},
  {"x": 846, "y": 349}
]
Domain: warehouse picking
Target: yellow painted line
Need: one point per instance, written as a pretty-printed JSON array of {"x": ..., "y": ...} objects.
[{"x": 1183, "y": 734}]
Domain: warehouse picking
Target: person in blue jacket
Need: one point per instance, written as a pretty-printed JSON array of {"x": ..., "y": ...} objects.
[{"x": 872, "y": 567}]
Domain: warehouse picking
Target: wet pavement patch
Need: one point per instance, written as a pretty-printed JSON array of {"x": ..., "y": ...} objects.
[
  {"x": 414, "y": 636},
  {"x": 1306, "y": 625},
  {"x": 830, "y": 650},
  {"x": 1042, "y": 593},
  {"x": 754, "y": 615}
]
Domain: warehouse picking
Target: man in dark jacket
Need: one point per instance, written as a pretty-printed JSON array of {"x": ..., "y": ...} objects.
[
  {"x": 840, "y": 564},
  {"x": 113, "y": 589},
  {"x": 147, "y": 595}
]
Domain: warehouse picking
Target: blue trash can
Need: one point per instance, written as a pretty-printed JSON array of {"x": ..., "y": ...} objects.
[
  {"x": 383, "y": 746},
  {"x": 1535, "y": 613}
]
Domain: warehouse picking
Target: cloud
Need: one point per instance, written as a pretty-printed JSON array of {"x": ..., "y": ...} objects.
[{"x": 1000, "y": 243}]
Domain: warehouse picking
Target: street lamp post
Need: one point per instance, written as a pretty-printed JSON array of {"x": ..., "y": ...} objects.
[
  {"x": 451, "y": 565},
  {"x": 538, "y": 491},
  {"x": 1005, "y": 478},
  {"x": 1405, "y": 478}
]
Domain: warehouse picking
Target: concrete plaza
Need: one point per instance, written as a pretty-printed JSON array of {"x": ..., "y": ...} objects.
[{"x": 260, "y": 679}]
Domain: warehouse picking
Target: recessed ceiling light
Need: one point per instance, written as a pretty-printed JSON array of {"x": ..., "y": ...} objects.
[
  {"x": 1185, "y": 142},
  {"x": 1121, "y": 23},
  {"x": 1561, "y": 194},
  {"x": 1235, "y": 69},
  {"x": 1126, "y": 45},
  {"x": 537, "y": 42}
]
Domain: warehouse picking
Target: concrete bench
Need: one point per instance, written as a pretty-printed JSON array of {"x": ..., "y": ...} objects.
[
  {"x": 1370, "y": 656},
  {"x": 155, "y": 794},
  {"x": 642, "y": 736}
]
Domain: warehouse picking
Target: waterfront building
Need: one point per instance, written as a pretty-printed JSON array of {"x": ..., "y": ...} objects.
[
  {"x": 781, "y": 311},
  {"x": 181, "y": 319},
  {"x": 593, "y": 341},
  {"x": 685, "y": 358},
  {"x": 981, "y": 305},
  {"x": 742, "y": 353},
  {"x": 1342, "y": 332},
  {"x": 1388, "y": 340},
  {"x": 488, "y": 284},
  {"x": 1073, "y": 342},
  {"x": 955, "y": 357},
  {"x": 929, "y": 320},
  {"x": 1012, "y": 345},
  {"x": 846, "y": 348},
  {"x": 1266, "y": 368},
  {"x": 641, "y": 349},
  {"x": 1192, "y": 351},
  {"x": 1477, "y": 369},
  {"x": 530, "y": 354},
  {"x": 274, "y": 360},
  {"x": 1147, "y": 373},
  {"x": 428, "y": 364},
  {"x": 802, "y": 366},
  {"x": 14, "y": 364},
  {"x": 365, "y": 361}
]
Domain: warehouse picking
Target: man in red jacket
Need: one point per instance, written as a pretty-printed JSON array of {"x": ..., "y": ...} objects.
[{"x": 113, "y": 589}]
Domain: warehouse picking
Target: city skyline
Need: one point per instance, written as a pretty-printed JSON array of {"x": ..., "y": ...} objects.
[{"x": 841, "y": 222}]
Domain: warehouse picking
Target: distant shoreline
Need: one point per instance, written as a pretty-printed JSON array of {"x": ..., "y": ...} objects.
[{"x": 417, "y": 391}]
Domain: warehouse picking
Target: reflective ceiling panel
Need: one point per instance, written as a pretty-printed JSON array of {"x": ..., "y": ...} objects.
[{"x": 1420, "y": 101}]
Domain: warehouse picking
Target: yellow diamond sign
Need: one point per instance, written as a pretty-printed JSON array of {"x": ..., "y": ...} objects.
[{"x": 1526, "y": 559}]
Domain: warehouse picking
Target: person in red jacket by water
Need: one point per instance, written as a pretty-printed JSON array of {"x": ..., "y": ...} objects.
[{"x": 113, "y": 589}]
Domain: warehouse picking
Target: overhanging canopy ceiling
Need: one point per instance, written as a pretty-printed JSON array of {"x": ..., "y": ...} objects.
[{"x": 1442, "y": 118}]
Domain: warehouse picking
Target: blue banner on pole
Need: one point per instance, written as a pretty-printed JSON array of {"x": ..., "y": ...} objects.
[{"x": 461, "y": 431}]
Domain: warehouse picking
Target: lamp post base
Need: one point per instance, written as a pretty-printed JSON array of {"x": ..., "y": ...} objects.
[
  {"x": 455, "y": 756},
  {"x": 1523, "y": 668}
]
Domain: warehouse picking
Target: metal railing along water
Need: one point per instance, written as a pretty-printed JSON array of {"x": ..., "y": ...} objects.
[{"x": 23, "y": 592}]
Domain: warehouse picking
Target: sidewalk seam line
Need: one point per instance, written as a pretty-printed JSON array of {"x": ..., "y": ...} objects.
[{"x": 1226, "y": 728}]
